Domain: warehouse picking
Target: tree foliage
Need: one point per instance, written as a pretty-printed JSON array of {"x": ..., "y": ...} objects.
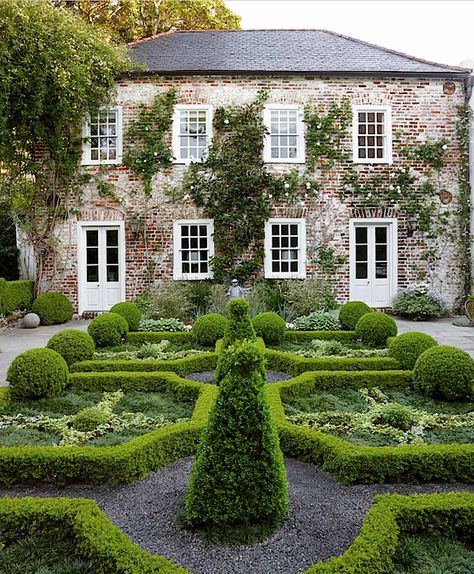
[
  {"x": 129, "y": 20},
  {"x": 53, "y": 70}
]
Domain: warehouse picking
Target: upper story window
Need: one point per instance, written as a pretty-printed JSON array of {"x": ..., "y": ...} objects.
[
  {"x": 285, "y": 248},
  {"x": 372, "y": 134},
  {"x": 285, "y": 141},
  {"x": 192, "y": 132},
  {"x": 193, "y": 248},
  {"x": 102, "y": 133}
]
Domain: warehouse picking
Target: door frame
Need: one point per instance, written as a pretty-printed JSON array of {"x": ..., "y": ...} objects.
[
  {"x": 392, "y": 223},
  {"x": 81, "y": 267}
]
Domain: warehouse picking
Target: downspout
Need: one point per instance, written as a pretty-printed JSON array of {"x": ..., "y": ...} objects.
[{"x": 469, "y": 84}]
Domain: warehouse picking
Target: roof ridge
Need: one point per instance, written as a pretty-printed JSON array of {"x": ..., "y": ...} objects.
[{"x": 396, "y": 52}]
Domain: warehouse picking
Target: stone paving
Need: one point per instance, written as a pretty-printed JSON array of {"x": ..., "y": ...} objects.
[{"x": 14, "y": 341}]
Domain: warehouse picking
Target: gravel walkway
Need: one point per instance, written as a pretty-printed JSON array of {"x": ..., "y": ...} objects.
[
  {"x": 209, "y": 376},
  {"x": 324, "y": 518}
]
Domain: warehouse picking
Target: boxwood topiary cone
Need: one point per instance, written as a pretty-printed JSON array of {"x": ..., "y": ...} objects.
[{"x": 239, "y": 474}]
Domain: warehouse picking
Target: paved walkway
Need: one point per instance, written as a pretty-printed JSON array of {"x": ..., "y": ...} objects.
[{"x": 14, "y": 341}]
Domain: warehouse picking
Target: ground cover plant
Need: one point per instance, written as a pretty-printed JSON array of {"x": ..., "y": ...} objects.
[
  {"x": 85, "y": 418},
  {"x": 371, "y": 417},
  {"x": 330, "y": 348},
  {"x": 44, "y": 553},
  {"x": 164, "y": 350},
  {"x": 433, "y": 555}
]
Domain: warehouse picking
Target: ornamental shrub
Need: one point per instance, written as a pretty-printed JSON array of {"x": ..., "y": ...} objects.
[
  {"x": 108, "y": 329},
  {"x": 317, "y": 321},
  {"x": 418, "y": 304},
  {"x": 157, "y": 325},
  {"x": 395, "y": 415},
  {"x": 407, "y": 347},
  {"x": 238, "y": 477},
  {"x": 53, "y": 308},
  {"x": 373, "y": 329},
  {"x": 15, "y": 295},
  {"x": 270, "y": 326},
  {"x": 239, "y": 326},
  {"x": 73, "y": 345},
  {"x": 37, "y": 373},
  {"x": 208, "y": 328},
  {"x": 130, "y": 312},
  {"x": 444, "y": 372},
  {"x": 90, "y": 418},
  {"x": 351, "y": 312}
]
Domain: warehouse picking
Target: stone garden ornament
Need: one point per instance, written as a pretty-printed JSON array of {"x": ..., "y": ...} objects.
[{"x": 235, "y": 291}]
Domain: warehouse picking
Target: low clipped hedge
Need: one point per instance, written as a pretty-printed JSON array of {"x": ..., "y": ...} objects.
[
  {"x": 303, "y": 336},
  {"x": 130, "y": 312},
  {"x": 352, "y": 464},
  {"x": 73, "y": 345},
  {"x": 141, "y": 337},
  {"x": 126, "y": 462},
  {"x": 15, "y": 295},
  {"x": 184, "y": 366},
  {"x": 294, "y": 364},
  {"x": 53, "y": 308},
  {"x": 109, "y": 551}
]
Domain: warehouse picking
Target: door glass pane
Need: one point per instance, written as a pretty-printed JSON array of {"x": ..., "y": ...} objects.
[
  {"x": 112, "y": 237},
  {"x": 112, "y": 255},
  {"x": 381, "y": 235},
  {"x": 361, "y": 252},
  {"x": 380, "y": 253},
  {"x": 92, "y": 273},
  {"x": 361, "y": 270},
  {"x": 92, "y": 255},
  {"x": 361, "y": 234},
  {"x": 381, "y": 270},
  {"x": 112, "y": 273}
]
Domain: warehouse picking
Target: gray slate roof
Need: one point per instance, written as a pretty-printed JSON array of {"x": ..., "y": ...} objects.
[{"x": 278, "y": 51}]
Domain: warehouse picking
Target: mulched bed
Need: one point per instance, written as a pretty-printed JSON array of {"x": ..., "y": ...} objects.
[
  {"x": 324, "y": 518},
  {"x": 209, "y": 376}
]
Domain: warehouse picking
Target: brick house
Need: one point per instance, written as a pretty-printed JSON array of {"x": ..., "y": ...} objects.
[{"x": 103, "y": 257}]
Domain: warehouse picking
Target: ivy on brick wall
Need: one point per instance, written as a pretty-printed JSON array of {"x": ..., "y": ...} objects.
[
  {"x": 149, "y": 149},
  {"x": 235, "y": 189}
]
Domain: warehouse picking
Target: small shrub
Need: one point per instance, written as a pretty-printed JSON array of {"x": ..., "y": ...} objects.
[
  {"x": 130, "y": 312},
  {"x": 445, "y": 372},
  {"x": 238, "y": 477},
  {"x": 208, "y": 328},
  {"x": 90, "y": 418},
  {"x": 317, "y": 321},
  {"x": 108, "y": 329},
  {"x": 37, "y": 373},
  {"x": 351, "y": 312},
  {"x": 373, "y": 329},
  {"x": 15, "y": 296},
  {"x": 395, "y": 415},
  {"x": 239, "y": 326},
  {"x": 168, "y": 300},
  {"x": 156, "y": 325},
  {"x": 53, "y": 308},
  {"x": 406, "y": 348},
  {"x": 309, "y": 295},
  {"x": 418, "y": 305},
  {"x": 218, "y": 299},
  {"x": 271, "y": 327},
  {"x": 72, "y": 345}
]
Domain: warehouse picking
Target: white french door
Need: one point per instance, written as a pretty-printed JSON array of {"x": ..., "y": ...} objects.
[
  {"x": 373, "y": 261},
  {"x": 101, "y": 265}
]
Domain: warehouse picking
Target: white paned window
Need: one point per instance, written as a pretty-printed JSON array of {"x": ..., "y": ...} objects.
[
  {"x": 192, "y": 132},
  {"x": 285, "y": 248},
  {"x": 102, "y": 133},
  {"x": 193, "y": 248},
  {"x": 285, "y": 140},
  {"x": 372, "y": 134}
]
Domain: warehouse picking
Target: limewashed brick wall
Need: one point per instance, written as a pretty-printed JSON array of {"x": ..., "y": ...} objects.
[{"x": 419, "y": 108}]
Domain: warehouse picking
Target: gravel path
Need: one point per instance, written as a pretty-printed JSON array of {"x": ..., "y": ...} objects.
[
  {"x": 324, "y": 518},
  {"x": 209, "y": 376}
]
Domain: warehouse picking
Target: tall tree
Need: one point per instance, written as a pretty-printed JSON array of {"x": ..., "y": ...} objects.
[
  {"x": 53, "y": 70},
  {"x": 129, "y": 20}
]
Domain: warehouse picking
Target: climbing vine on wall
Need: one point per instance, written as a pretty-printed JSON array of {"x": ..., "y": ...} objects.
[
  {"x": 234, "y": 188},
  {"x": 149, "y": 149}
]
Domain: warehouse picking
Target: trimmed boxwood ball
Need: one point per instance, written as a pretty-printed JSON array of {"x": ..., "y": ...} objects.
[
  {"x": 407, "y": 347},
  {"x": 444, "y": 372},
  {"x": 351, "y": 312},
  {"x": 130, "y": 312},
  {"x": 37, "y": 373},
  {"x": 271, "y": 327},
  {"x": 208, "y": 328},
  {"x": 73, "y": 345},
  {"x": 53, "y": 308},
  {"x": 373, "y": 329},
  {"x": 108, "y": 329}
]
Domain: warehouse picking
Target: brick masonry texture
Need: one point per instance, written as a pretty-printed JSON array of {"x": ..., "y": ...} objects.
[{"x": 419, "y": 108}]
